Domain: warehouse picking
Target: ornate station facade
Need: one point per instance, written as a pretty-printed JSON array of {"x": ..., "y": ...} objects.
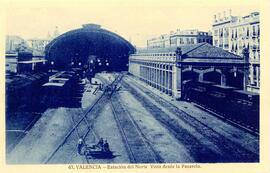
[{"x": 168, "y": 68}]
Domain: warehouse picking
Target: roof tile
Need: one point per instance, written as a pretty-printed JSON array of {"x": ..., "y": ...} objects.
[{"x": 200, "y": 50}]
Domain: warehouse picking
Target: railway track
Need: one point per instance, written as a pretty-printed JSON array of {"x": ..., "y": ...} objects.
[
  {"x": 219, "y": 115},
  {"x": 183, "y": 135},
  {"x": 93, "y": 109},
  {"x": 138, "y": 148}
]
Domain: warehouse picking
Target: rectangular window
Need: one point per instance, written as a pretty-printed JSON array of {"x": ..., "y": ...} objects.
[
  {"x": 254, "y": 73},
  {"x": 173, "y": 41},
  {"x": 216, "y": 32},
  {"x": 188, "y": 41},
  {"x": 216, "y": 42},
  {"x": 221, "y": 32},
  {"x": 254, "y": 30},
  {"x": 192, "y": 40},
  {"x": 181, "y": 41}
]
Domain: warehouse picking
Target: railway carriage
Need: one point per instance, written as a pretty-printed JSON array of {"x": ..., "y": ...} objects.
[
  {"x": 239, "y": 106},
  {"x": 63, "y": 90}
]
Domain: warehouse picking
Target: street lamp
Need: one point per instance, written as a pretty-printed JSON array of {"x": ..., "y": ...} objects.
[
  {"x": 234, "y": 71},
  {"x": 52, "y": 63}
]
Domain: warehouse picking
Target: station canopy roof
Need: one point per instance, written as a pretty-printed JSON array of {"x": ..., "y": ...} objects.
[
  {"x": 200, "y": 50},
  {"x": 90, "y": 40}
]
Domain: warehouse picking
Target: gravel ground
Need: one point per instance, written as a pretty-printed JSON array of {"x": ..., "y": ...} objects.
[
  {"x": 17, "y": 125},
  {"x": 48, "y": 131},
  {"x": 176, "y": 137},
  {"x": 206, "y": 133},
  {"x": 42, "y": 138},
  {"x": 239, "y": 136},
  {"x": 166, "y": 145},
  {"x": 106, "y": 127}
]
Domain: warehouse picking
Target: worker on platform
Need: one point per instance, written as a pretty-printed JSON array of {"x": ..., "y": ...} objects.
[
  {"x": 100, "y": 143},
  {"x": 106, "y": 146},
  {"x": 80, "y": 145}
]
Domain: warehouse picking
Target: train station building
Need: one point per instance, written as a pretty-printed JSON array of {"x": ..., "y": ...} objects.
[
  {"x": 167, "y": 69},
  {"x": 77, "y": 47}
]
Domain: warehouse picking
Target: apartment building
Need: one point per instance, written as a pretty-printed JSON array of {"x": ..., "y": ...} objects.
[
  {"x": 180, "y": 37},
  {"x": 234, "y": 33}
]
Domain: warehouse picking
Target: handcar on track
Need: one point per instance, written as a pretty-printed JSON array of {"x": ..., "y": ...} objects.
[{"x": 100, "y": 150}]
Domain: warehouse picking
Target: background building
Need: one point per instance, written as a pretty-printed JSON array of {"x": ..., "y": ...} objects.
[
  {"x": 13, "y": 43},
  {"x": 234, "y": 33},
  {"x": 38, "y": 46},
  {"x": 180, "y": 38}
]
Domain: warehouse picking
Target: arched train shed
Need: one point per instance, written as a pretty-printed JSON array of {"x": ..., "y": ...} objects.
[{"x": 89, "y": 41}]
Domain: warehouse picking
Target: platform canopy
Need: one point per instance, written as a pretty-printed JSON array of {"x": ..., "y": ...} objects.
[{"x": 90, "y": 40}]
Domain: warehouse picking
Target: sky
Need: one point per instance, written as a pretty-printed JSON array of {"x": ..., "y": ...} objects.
[{"x": 135, "y": 20}]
